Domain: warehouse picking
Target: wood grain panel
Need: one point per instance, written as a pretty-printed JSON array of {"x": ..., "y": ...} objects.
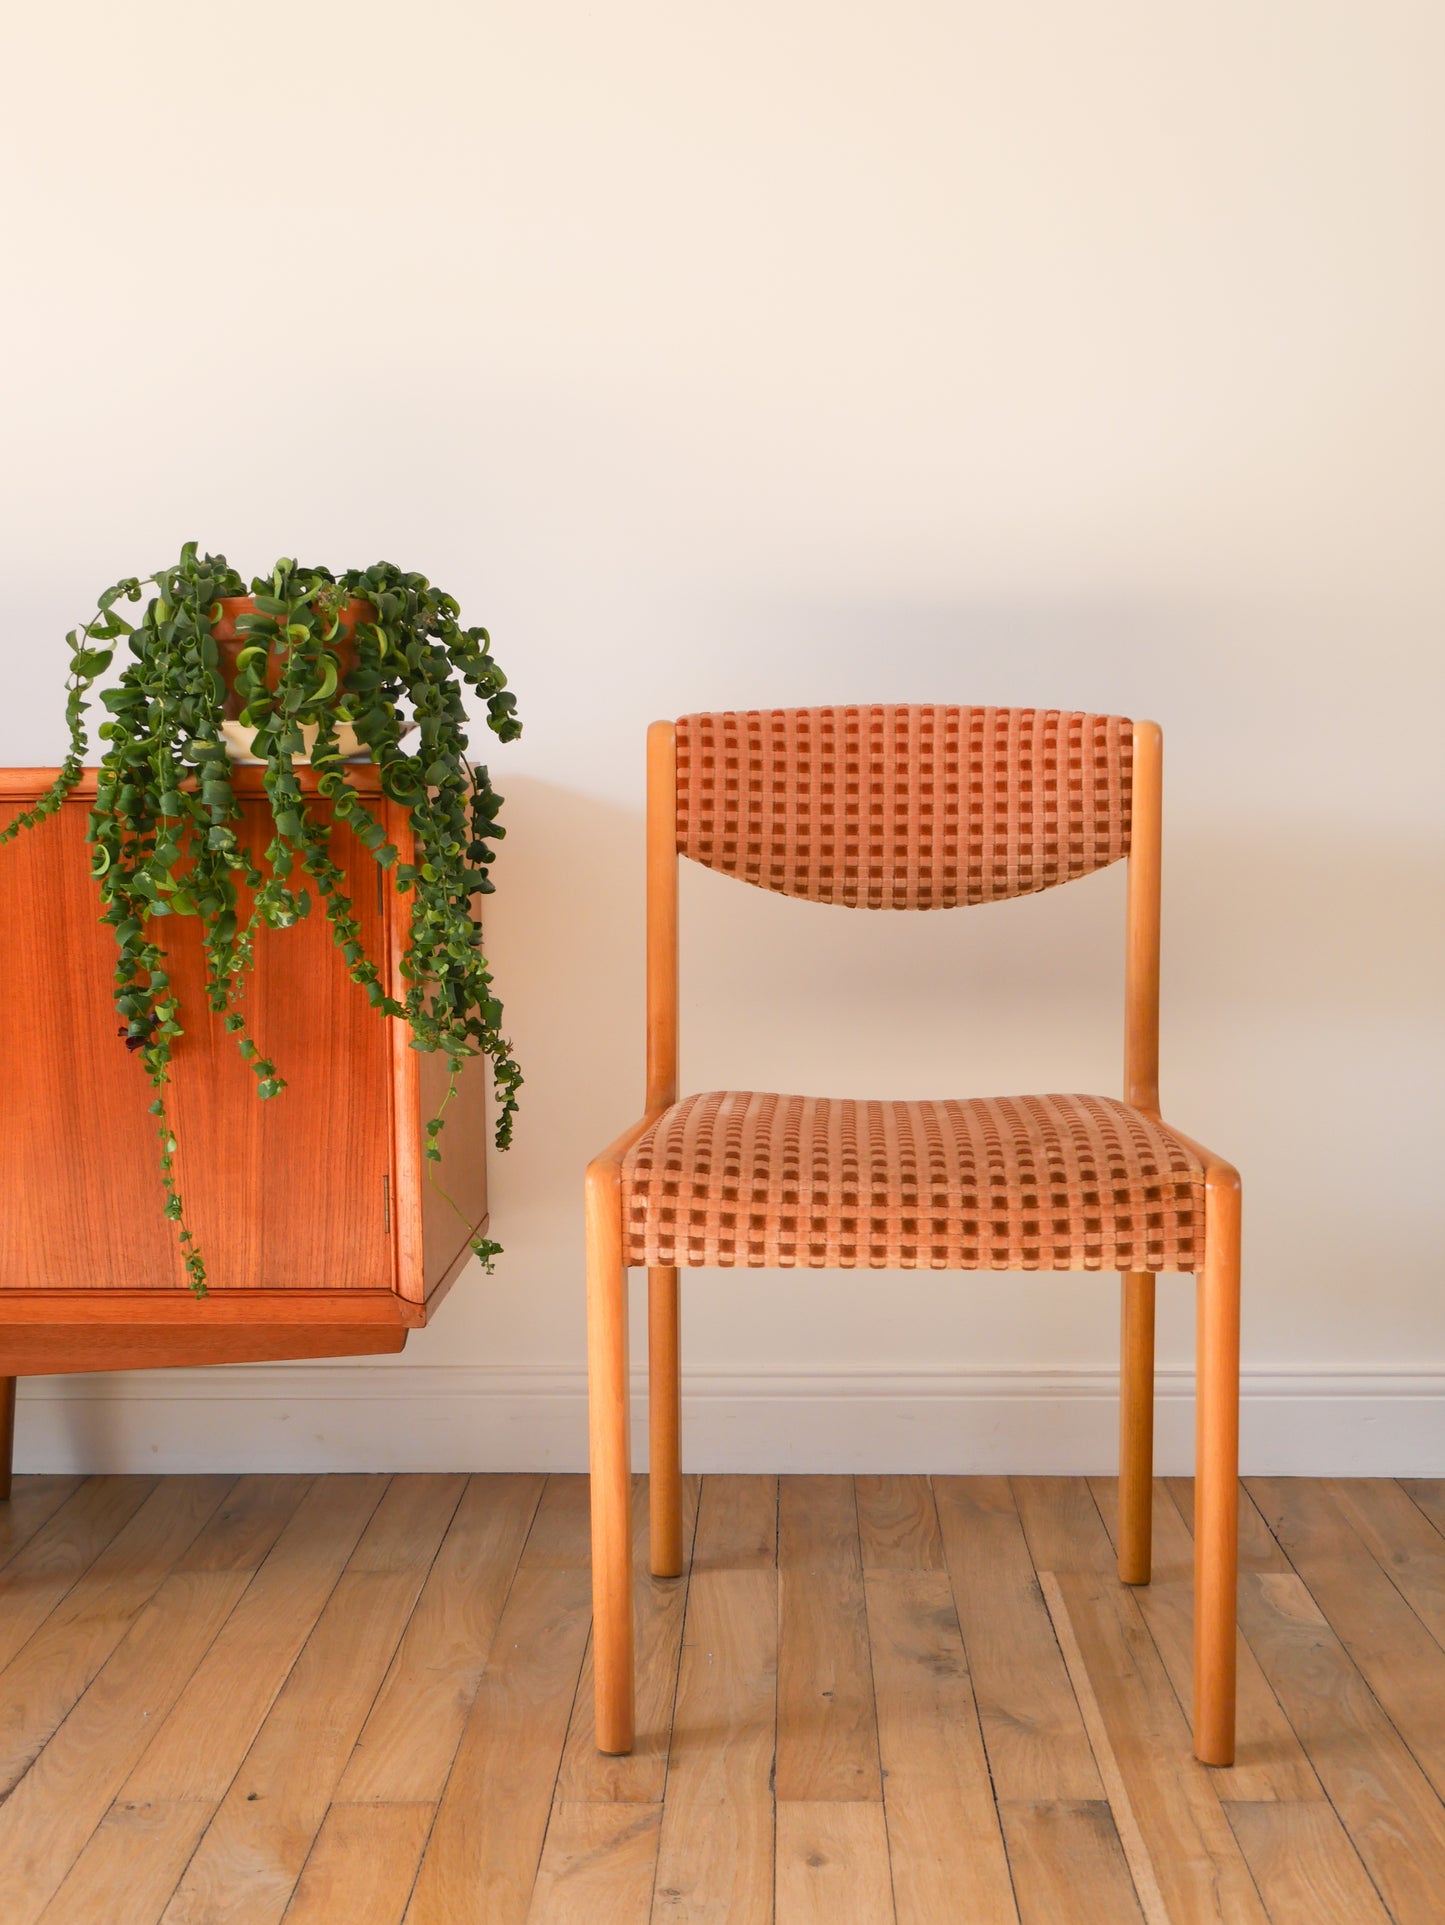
[
  {"x": 277, "y": 1193},
  {"x": 1062, "y": 1525},
  {"x": 196, "y": 1751},
  {"x": 255, "y": 1848},
  {"x": 1384, "y": 1800},
  {"x": 1037, "y": 1747},
  {"x": 559, "y": 1539},
  {"x": 597, "y": 1864},
  {"x": 1303, "y": 1862},
  {"x": 52, "y": 1812},
  {"x": 362, "y": 1865},
  {"x": 943, "y": 1828},
  {"x": 833, "y": 1863},
  {"x": 1269, "y": 1761},
  {"x": 1068, "y": 1865},
  {"x": 138, "y": 1850},
  {"x": 41, "y": 1574},
  {"x": 827, "y": 1724},
  {"x": 488, "y": 1835},
  {"x": 48, "y": 1332},
  {"x": 1393, "y": 1651},
  {"x": 461, "y": 1176},
  {"x": 433, "y": 1220},
  {"x": 44, "y": 1680},
  {"x": 1427, "y": 1494},
  {"x": 1142, "y": 1737},
  {"x": 1401, "y": 1539},
  {"x": 410, "y": 1737},
  {"x": 715, "y": 1858},
  {"x": 898, "y": 1524},
  {"x": 33, "y": 1500},
  {"x": 737, "y": 1527}
]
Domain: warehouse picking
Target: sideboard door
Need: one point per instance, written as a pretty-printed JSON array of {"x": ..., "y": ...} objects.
[{"x": 290, "y": 1193}]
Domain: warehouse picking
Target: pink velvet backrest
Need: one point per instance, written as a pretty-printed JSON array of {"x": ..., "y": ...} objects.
[{"x": 904, "y": 807}]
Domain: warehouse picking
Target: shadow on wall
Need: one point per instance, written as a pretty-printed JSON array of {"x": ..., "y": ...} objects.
[{"x": 565, "y": 938}]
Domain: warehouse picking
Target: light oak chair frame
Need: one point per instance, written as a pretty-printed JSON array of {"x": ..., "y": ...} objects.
[{"x": 1216, "y": 1499}]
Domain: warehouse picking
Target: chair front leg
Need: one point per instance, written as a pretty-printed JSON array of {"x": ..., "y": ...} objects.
[
  {"x": 664, "y": 1422},
  {"x": 1216, "y": 1471},
  {"x": 610, "y": 1461},
  {"x": 1136, "y": 1426}
]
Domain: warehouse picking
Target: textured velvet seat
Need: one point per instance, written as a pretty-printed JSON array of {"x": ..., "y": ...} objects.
[
  {"x": 924, "y": 808},
  {"x": 743, "y": 1178}
]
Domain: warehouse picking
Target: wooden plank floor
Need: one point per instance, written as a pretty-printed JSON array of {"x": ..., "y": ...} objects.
[{"x": 366, "y": 1701}]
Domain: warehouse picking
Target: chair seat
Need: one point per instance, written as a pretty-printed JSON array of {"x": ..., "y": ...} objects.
[{"x": 743, "y": 1178}]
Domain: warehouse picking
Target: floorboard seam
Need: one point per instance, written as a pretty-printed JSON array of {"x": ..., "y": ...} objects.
[
  {"x": 1341, "y": 1510},
  {"x": 380, "y": 1687},
  {"x": 1404, "y": 1484},
  {"x": 676, "y": 1683},
  {"x": 1305, "y": 1751},
  {"x": 973, "y": 1695},
  {"x": 873, "y": 1687},
  {"x": 1136, "y": 1852},
  {"x": 446, "y": 1778}
]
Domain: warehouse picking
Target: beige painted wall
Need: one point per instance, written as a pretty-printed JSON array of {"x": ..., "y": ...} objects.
[{"x": 1080, "y": 355}]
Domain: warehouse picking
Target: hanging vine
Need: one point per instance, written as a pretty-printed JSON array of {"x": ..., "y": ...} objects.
[{"x": 163, "y": 826}]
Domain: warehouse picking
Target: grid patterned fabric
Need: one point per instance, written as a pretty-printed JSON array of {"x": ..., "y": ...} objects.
[
  {"x": 741, "y": 1178},
  {"x": 904, "y": 808}
]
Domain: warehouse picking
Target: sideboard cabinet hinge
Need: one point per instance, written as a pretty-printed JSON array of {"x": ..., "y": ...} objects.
[{"x": 386, "y": 1204}]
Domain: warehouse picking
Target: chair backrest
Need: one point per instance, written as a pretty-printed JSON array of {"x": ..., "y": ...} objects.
[{"x": 904, "y": 807}]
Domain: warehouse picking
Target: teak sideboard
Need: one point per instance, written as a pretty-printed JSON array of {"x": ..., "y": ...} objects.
[{"x": 321, "y": 1233}]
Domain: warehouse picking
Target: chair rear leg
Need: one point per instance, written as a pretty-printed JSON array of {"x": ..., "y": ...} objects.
[
  {"x": 610, "y": 1462},
  {"x": 1216, "y": 1472},
  {"x": 1136, "y": 1426},
  {"x": 7, "y": 1434},
  {"x": 664, "y": 1422}
]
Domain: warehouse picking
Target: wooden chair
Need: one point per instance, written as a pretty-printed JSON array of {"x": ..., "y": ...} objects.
[{"x": 910, "y": 808}]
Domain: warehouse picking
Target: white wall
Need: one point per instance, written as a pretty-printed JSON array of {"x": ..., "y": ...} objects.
[{"x": 1085, "y": 356}]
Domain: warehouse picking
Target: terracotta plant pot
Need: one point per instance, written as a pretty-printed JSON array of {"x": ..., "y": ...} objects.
[
  {"x": 230, "y": 643},
  {"x": 240, "y": 739}
]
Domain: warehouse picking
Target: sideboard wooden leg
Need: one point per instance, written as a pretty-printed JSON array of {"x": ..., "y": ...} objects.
[{"x": 7, "y": 1433}]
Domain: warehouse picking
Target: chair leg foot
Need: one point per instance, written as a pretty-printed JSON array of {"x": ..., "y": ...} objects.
[
  {"x": 664, "y": 1414},
  {"x": 1136, "y": 1427},
  {"x": 610, "y": 1463},
  {"x": 1216, "y": 1475},
  {"x": 7, "y": 1434}
]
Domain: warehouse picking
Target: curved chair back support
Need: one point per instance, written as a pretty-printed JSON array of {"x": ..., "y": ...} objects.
[{"x": 904, "y": 807}]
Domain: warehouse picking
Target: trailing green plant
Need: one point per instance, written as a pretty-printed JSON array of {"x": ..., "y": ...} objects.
[{"x": 163, "y": 829}]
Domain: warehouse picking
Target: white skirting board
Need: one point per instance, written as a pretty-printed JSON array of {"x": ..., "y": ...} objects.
[{"x": 404, "y": 1417}]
